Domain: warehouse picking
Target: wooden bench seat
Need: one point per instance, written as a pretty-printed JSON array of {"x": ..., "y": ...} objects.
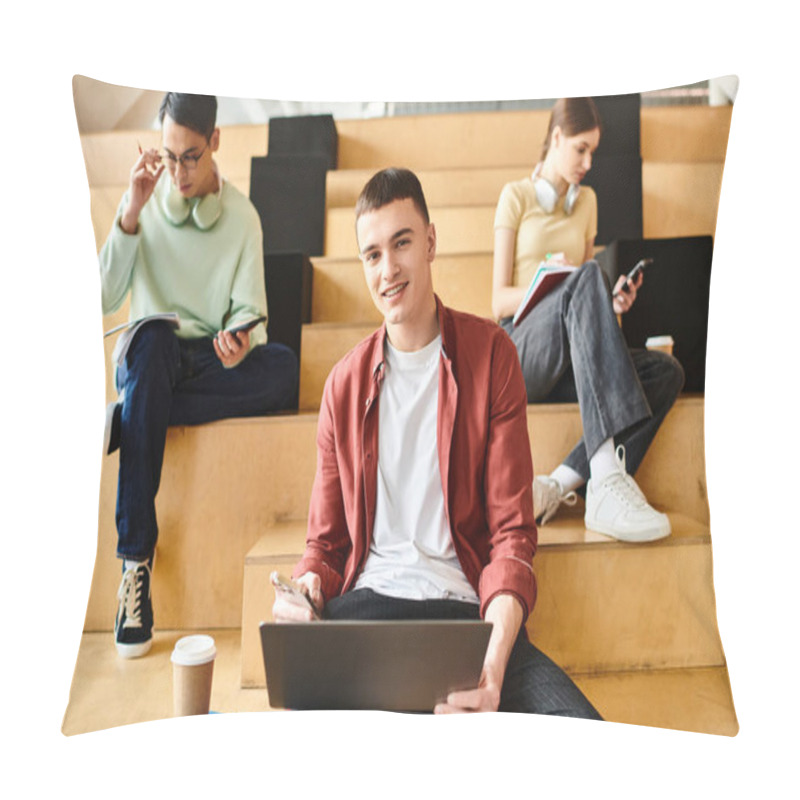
[
  {"x": 603, "y": 606},
  {"x": 223, "y": 484}
]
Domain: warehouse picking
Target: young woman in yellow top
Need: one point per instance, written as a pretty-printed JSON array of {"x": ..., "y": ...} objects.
[{"x": 570, "y": 345}]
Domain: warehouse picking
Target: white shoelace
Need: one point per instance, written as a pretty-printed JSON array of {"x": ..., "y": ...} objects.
[
  {"x": 553, "y": 501},
  {"x": 129, "y": 597},
  {"x": 624, "y": 486}
]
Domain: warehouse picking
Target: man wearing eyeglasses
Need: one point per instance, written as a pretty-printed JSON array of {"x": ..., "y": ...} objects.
[{"x": 184, "y": 240}]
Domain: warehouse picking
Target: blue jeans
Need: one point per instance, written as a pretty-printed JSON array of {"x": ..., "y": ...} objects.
[
  {"x": 533, "y": 684},
  {"x": 167, "y": 381},
  {"x": 572, "y": 349}
]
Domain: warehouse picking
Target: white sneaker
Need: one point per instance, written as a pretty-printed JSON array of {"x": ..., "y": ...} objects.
[
  {"x": 617, "y": 507},
  {"x": 547, "y": 497}
]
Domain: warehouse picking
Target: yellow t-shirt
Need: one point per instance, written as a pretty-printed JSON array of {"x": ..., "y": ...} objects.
[{"x": 539, "y": 233}]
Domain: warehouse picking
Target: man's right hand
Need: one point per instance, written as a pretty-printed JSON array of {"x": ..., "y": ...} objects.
[
  {"x": 144, "y": 176},
  {"x": 286, "y": 610}
]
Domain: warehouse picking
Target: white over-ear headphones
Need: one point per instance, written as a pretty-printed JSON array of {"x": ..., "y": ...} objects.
[
  {"x": 547, "y": 195},
  {"x": 205, "y": 211}
]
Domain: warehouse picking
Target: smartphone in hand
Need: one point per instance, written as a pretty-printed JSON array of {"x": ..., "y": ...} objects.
[
  {"x": 634, "y": 273},
  {"x": 246, "y": 326},
  {"x": 293, "y": 593}
]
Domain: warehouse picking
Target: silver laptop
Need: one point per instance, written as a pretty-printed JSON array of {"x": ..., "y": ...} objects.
[{"x": 408, "y": 665}]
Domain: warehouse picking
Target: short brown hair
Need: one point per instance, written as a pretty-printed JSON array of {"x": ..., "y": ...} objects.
[
  {"x": 573, "y": 115},
  {"x": 388, "y": 185}
]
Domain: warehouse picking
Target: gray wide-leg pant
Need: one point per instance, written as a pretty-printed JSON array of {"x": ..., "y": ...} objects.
[{"x": 572, "y": 349}]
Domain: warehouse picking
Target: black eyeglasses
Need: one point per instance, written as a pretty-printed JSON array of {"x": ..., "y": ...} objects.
[{"x": 189, "y": 162}]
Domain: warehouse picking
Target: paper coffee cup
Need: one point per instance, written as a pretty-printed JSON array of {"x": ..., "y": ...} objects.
[
  {"x": 662, "y": 343},
  {"x": 192, "y": 671}
]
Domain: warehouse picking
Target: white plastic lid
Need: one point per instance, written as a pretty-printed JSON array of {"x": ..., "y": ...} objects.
[
  {"x": 192, "y": 650},
  {"x": 655, "y": 341}
]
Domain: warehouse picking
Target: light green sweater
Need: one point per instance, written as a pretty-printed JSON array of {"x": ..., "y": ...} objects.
[{"x": 212, "y": 278}]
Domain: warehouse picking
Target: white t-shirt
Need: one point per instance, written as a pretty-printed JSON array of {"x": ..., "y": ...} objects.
[{"x": 412, "y": 553}]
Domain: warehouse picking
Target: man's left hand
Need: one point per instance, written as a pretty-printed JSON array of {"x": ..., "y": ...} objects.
[
  {"x": 231, "y": 348},
  {"x": 485, "y": 698}
]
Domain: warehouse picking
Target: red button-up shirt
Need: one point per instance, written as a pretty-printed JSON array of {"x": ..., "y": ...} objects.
[{"x": 484, "y": 461}]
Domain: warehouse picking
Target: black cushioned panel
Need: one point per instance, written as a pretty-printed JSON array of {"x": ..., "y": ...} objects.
[
  {"x": 289, "y": 195},
  {"x": 617, "y": 181},
  {"x": 306, "y": 135},
  {"x": 288, "y": 277},
  {"x": 621, "y": 118},
  {"x": 673, "y": 299}
]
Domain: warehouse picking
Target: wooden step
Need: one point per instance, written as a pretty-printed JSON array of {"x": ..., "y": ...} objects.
[
  {"x": 508, "y": 138},
  {"x": 698, "y": 700},
  {"x": 603, "y": 606},
  {"x": 462, "y": 159},
  {"x": 225, "y": 483},
  {"x": 340, "y": 293},
  {"x": 672, "y": 133},
  {"x": 470, "y": 140},
  {"x": 324, "y": 344},
  {"x": 442, "y": 187},
  {"x": 608, "y": 606},
  {"x": 554, "y": 429},
  {"x": 222, "y": 485},
  {"x": 321, "y": 346},
  {"x": 107, "y": 692},
  {"x": 278, "y": 549},
  {"x": 678, "y": 199}
]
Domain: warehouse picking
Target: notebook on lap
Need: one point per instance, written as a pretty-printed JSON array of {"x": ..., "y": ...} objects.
[{"x": 366, "y": 664}]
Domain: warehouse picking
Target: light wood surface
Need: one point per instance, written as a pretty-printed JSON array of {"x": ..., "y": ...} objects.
[
  {"x": 443, "y": 187},
  {"x": 680, "y": 199},
  {"x": 463, "y": 159},
  {"x": 107, "y": 691},
  {"x": 339, "y": 292},
  {"x": 611, "y": 606},
  {"x": 602, "y": 605},
  {"x": 322, "y": 345},
  {"x": 278, "y": 549},
  {"x": 222, "y": 485},
  {"x": 685, "y": 133},
  {"x": 494, "y": 140},
  {"x": 211, "y": 510},
  {"x": 510, "y": 138},
  {"x": 677, "y": 200},
  {"x": 696, "y": 700}
]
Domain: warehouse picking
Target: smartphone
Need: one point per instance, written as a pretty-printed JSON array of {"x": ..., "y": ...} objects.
[
  {"x": 631, "y": 276},
  {"x": 246, "y": 326},
  {"x": 293, "y": 592}
]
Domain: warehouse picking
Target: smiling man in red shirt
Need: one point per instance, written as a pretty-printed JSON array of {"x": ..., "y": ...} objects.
[{"x": 422, "y": 504}]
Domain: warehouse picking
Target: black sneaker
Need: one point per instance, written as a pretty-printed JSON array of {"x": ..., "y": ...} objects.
[
  {"x": 111, "y": 432},
  {"x": 133, "y": 630}
]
